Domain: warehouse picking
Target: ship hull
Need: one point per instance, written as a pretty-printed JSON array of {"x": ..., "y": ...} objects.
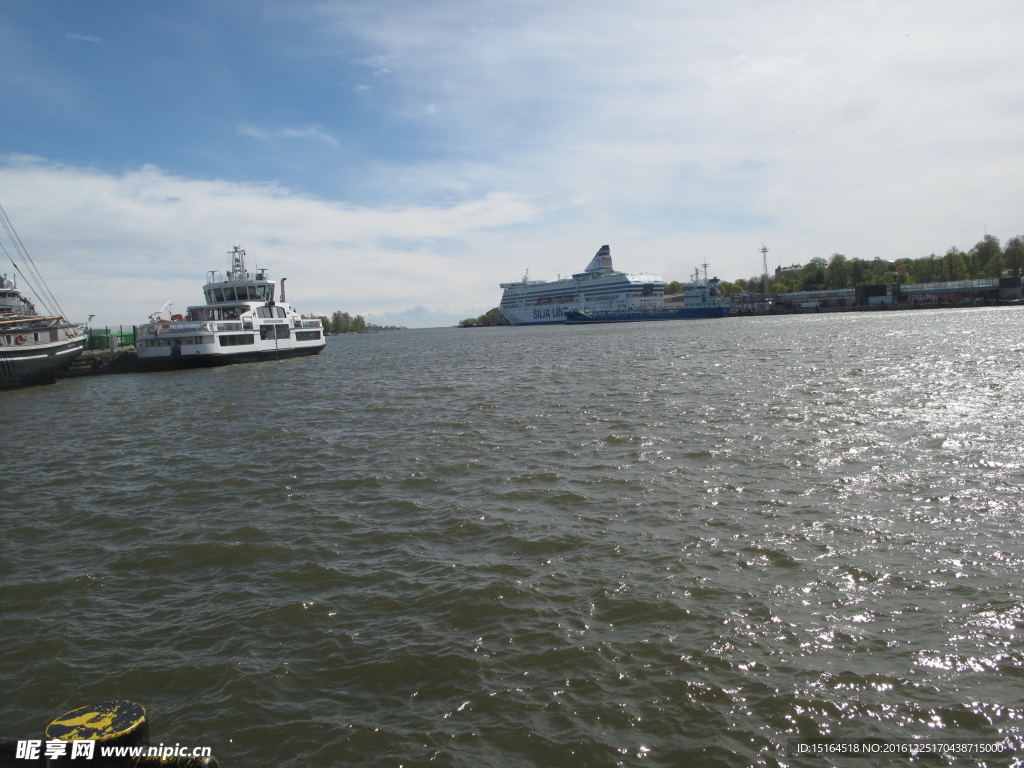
[
  {"x": 582, "y": 317},
  {"x": 32, "y": 364},
  {"x": 549, "y": 315},
  {"x": 171, "y": 362}
]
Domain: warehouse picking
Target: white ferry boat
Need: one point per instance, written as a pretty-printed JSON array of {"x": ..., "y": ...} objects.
[
  {"x": 599, "y": 288},
  {"x": 240, "y": 323}
]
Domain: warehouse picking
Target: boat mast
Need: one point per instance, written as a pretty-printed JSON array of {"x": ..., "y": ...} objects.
[
  {"x": 30, "y": 274},
  {"x": 237, "y": 264}
]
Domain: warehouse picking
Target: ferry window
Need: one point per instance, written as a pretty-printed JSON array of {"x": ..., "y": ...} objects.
[
  {"x": 252, "y": 293},
  {"x": 218, "y": 294},
  {"x": 236, "y": 339},
  {"x": 307, "y": 335},
  {"x": 263, "y": 312},
  {"x": 283, "y": 332},
  {"x": 279, "y": 311},
  {"x": 648, "y": 289},
  {"x": 266, "y": 332}
]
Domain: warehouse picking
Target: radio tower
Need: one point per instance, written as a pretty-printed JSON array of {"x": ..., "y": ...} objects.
[{"x": 764, "y": 275}]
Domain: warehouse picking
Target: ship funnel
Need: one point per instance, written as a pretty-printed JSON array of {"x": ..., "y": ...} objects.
[
  {"x": 282, "y": 289},
  {"x": 602, "y": 261}
]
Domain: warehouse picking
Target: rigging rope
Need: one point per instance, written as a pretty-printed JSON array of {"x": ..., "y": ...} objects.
[{"x": 31, "y": 274}]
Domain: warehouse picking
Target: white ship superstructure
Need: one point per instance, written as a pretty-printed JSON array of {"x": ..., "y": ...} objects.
[
  {"x": 241, "y": 322},
  {"x": 598, "y": 288}
]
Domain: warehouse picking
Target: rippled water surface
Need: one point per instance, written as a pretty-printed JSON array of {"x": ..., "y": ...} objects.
[{"x": 651, "y": 544}]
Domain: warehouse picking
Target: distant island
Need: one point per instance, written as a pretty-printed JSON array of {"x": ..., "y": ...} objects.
[
  {"x": 343, "y": 322},
  {"x": 493, "y": 317},
  {"x": 988, "y": 258}
]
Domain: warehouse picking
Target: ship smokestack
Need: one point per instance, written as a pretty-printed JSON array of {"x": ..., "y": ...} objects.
[{"x": 282, "y": 289}]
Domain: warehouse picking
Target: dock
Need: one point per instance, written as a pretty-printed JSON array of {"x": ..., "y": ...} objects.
[{"x": 98, "y": 362}]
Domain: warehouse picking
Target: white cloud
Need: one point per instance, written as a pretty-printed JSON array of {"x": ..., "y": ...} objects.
[
  {"x": 118, "y": 245},
  {"x": 301, "y": 132},
  {"x": 887, "y": 129},
  {"x": 75, "y": 37}
]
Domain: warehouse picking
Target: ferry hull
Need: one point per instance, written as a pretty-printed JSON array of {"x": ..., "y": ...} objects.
[
  {"x": 579, "y": 317},
  {"x": 38, "y": 363},
  {"x": 536, "y": 315},
  {"x": 177, "y": 362}
]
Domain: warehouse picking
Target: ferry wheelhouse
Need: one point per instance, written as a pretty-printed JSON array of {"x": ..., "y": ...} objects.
[{"x": 241, "y": 322}]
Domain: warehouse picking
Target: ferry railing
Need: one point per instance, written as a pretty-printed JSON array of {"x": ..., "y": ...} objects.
[{"x": 178, "y": 325}]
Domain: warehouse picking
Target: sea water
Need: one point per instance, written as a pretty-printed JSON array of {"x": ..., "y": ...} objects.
[{"x": 653, "y": 544}]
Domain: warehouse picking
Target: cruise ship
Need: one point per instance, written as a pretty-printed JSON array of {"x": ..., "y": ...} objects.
[
  {"x": 598, "y": 288},
  {"x": 600, "y": 294},
  {"x": 240, "y": 323}
]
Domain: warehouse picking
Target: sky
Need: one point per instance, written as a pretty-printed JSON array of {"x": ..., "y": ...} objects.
[{"x": 398, "y": 159}]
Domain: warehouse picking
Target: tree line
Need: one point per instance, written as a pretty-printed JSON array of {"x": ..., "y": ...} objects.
[
  {"x": 988, "y": 258},
  {"x": 491, "y": 317},
  {"x": 343, "y": 322}
]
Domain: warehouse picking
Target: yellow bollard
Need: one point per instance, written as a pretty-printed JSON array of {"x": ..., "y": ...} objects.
[
  {"x": 107, "y": 724},
  {"x": 82, "y": 736}
]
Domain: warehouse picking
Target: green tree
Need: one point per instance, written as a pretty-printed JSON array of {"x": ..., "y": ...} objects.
[
  {"x": 786, "y": 283},
  {"x": 727, "y": 289},
  {"x": 986, "y": 258},
  {"x": 858, "y": 271},
  {"x": 1013, "y": 255},
  {"x": 813, "y": 276},
  {"x": 839, "y": 273},
  {"x": 954, "y": 265},
  {"x": 343, "y": 322},
  {"x": 926, "y": 270},
  {"x": 491, "y": 317}
]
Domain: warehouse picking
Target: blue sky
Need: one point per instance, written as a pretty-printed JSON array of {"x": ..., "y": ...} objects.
[{"x": 400, "y": 159}]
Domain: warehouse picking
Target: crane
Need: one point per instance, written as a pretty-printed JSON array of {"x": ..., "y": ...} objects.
[{"x": 155, "y": 317}]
